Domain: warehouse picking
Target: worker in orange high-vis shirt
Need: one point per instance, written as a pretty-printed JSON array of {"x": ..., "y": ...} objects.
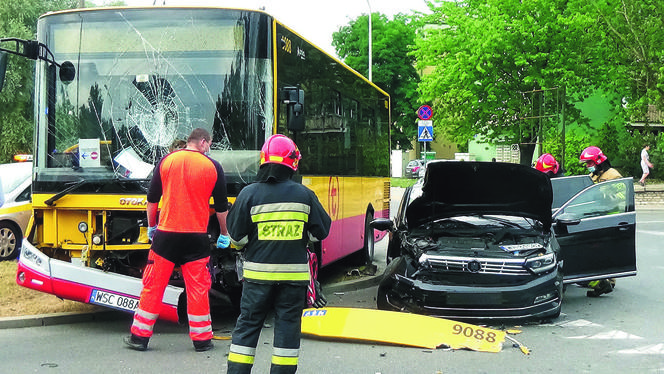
[{"x": 184, "y": 180}]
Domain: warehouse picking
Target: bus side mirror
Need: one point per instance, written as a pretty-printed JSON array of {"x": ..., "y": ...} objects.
[
  {"x": 67, "y": 72},
  {"x": 294, "y": 99},
  {"x": 3, "y": 68}
]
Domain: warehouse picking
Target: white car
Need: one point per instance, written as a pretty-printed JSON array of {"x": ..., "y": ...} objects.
[{"x": 17, "y": 209}]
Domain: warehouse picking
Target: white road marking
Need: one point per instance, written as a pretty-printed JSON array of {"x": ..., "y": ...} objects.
[
  {"x": 615, "y": 335},
  {"x": 654, "y": 349},
  {"x": 649, "y": 232},
  {"x": 579, "y": 323}
]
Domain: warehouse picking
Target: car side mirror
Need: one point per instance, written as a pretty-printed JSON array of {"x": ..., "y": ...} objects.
[
  {"x": 567, "y": 219},
  {"x": 382, "y": 224}
]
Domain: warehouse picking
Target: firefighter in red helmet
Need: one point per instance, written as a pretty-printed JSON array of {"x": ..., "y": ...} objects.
[
  {"x": 600, "y": 170},
  {"x": 547, "y": 164},
  {"x": 272, "y": 221},
  {"x": 598, "y": 165}
]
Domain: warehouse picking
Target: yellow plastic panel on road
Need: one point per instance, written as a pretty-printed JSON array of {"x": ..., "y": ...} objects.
[{"x": 407, "y": 329}]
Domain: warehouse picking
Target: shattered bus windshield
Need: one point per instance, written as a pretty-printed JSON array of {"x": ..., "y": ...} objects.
[{"x": 142, "y": 83}]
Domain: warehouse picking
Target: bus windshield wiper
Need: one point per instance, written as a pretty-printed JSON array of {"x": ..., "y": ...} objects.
[{"x": 54, "y": 198}]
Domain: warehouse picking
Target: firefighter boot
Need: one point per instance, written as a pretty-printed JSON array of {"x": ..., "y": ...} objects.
[
  {"x": 203, "y": 345},
  {"x": 599, "y": 287},
  {"x": 136, "y": 343}
]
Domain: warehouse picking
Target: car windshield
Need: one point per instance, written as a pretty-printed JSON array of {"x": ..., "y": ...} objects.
[{"x": 12, "y": 175}]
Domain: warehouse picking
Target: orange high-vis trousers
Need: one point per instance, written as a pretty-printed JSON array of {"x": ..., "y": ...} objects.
[{"x": 197, "y": 285}]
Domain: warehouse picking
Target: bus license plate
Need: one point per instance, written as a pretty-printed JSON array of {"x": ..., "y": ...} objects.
[{"x": 114, "y": 300}]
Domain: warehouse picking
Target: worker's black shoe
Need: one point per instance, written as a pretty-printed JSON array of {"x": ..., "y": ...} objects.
[
  {"x": 604, "y": 286},
  {"x": 203, "y": 345},
  {"x": 136, "y": 343}
]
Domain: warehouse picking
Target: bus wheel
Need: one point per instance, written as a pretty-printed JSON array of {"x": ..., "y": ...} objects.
[{"x": 367, "y": 253}]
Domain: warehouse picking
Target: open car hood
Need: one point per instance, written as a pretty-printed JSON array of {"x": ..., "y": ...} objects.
[{"x": 462, "y": 188}]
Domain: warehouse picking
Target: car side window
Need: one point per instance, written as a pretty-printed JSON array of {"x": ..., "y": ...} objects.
[
  {"x": 598, "y": 200},
  {"x": 26, "y": 195}
]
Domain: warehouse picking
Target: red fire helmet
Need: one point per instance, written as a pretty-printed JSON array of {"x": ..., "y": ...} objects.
[
  {"x": 547, "y": 163},
  {"x": 592, "y": 156},
  {"x": 280, "y": 149}
]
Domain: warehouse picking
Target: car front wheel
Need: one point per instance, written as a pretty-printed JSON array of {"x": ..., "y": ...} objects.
[{"x": 10, "y": 241}]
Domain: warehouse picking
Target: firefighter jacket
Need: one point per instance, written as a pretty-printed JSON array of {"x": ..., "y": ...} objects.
[
  {"x": 606, "y": 175},
  {"x": 273, "y": 220}
]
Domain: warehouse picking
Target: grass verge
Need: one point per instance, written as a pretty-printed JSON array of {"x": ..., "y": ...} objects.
[
  {"x": 402, "y": 182},
  {"x": 18, "y": 301}
]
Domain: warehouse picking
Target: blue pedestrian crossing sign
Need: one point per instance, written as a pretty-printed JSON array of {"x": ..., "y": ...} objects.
[{"x": 425, "y": 131}]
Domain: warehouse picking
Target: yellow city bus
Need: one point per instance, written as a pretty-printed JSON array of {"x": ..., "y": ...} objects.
[{"x": 116, "y": 88}]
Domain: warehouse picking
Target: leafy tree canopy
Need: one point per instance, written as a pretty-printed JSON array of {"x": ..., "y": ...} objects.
[
  {"x": 393, "y": 66},
  {"x": 485, "y": 55},
  {"x": 18, "y": 19},
  {"x": 631, "y": 52}
]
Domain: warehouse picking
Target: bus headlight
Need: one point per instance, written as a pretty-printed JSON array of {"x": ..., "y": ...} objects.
[{"x": 34, "y": 259}]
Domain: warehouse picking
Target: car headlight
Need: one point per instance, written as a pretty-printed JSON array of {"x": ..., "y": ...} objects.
[{"x": 542, "y": 263}]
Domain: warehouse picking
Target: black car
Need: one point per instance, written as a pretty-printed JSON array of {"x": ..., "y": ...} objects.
[{"x": 485, "y": 241}]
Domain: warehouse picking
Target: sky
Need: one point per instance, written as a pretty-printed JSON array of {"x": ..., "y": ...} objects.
[{"x": 315, "y": 20}]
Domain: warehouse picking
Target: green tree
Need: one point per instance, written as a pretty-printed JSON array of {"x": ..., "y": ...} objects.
[
  {"x": 486, "y": 54},
  {"x": 393, "y": 66},
  {"x": 18, "y": 19},
  {"x": 631, "y": 52}
]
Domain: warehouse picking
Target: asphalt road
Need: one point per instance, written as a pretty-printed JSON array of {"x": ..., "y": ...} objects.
[{"x": 621, "y": 332}]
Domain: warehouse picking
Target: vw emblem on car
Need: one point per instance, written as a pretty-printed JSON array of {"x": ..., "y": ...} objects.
[{"x": 474, "y": 266}]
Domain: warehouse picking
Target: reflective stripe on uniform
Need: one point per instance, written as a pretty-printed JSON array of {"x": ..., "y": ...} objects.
[
  {"x": 285, "y": 356},
  {"x": 195, "y": 318},
  {"x": 241, "y": 354},
  {"x": 280, "y": 207},
  {"x": 278, "y": 360},
  {"x": 143, "y": 323},
  {"x": 280, "y": 230},
  {"x": 143, "y": 326},
  {"x": 286, "y": 352},
  {"x": 276, "y": 272},
  {"x": 280, "y": 216},
  {"x": 240, "y": 243},
  {"x": 240, "y": 359},
  {"x": 146, "y": 315},
  {"x": 200, "y": 330},
  {"x": 280, "y": 221}
]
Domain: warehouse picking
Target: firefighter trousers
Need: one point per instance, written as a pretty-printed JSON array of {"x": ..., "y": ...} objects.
[
  {"x": 258, "y": 300},
  {"x": 197, "y": 285}
]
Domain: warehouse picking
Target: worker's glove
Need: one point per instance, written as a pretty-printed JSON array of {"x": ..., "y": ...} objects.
[
  {"x": 315, "y": 297},
  {"x": 223, "y": 241},
  {"x": 151, "y": 231},
  {"x": 320, "y": 300}
]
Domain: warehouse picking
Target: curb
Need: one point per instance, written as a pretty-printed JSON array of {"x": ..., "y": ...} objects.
[
  {"x": 58, "y": 319},
  {"x": 353, "y": 285}
]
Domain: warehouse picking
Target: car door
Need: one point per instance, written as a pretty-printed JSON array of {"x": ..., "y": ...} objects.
[
  {"x": 596, "y": 230},
  {"x": 564, "y": 188}
]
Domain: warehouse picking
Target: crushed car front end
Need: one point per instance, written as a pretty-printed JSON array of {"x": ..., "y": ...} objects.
[
  {"x": 479, "y": 249},
  {"x": 474, "y": 287}
]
